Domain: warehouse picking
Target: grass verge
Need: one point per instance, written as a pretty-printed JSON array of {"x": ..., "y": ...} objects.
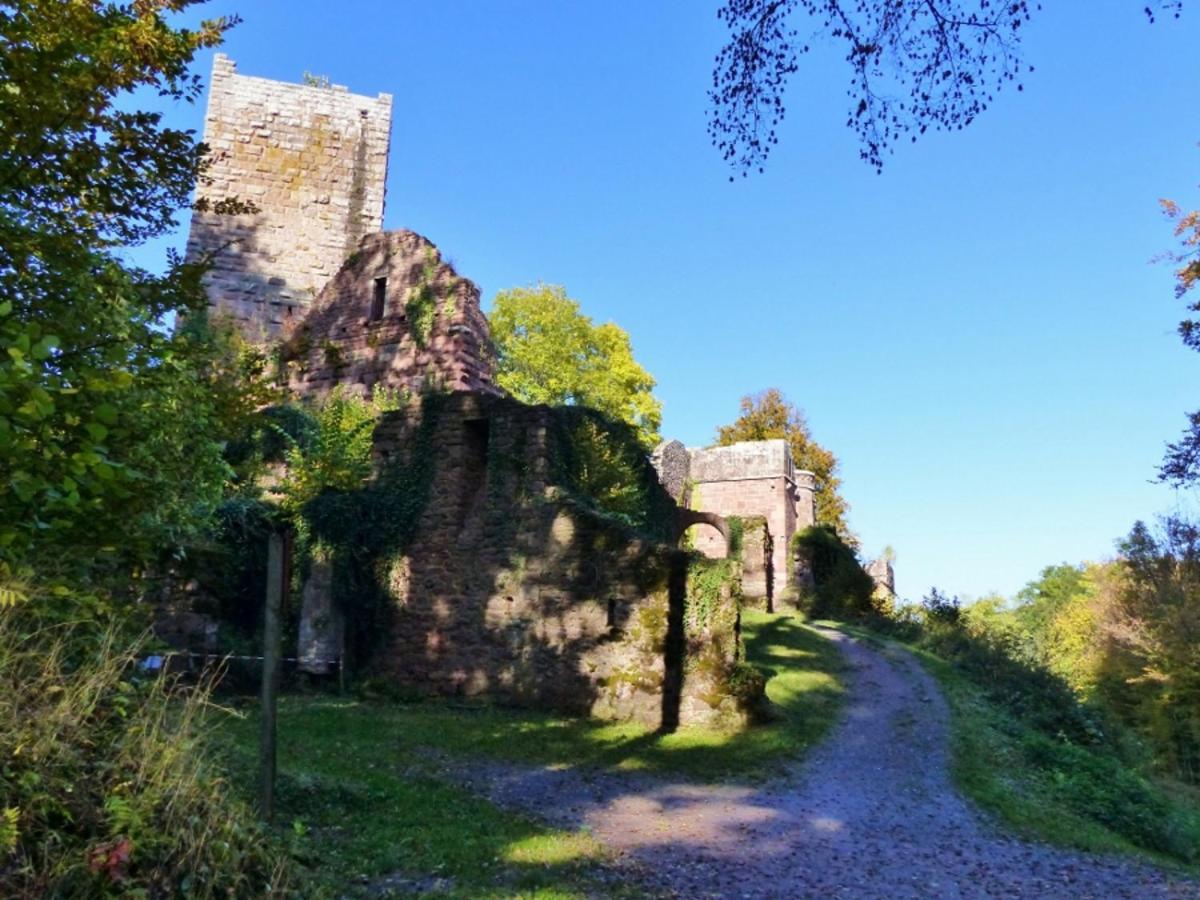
[
  {"x": 364, "y": 813},
  {"x": 364, "y": 817}
]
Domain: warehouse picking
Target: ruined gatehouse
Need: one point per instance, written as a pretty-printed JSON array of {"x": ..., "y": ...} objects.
[{"x": 757, "y": 483}]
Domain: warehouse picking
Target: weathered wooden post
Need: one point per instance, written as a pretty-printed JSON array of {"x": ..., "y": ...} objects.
[{"x": 272, "y": 648}]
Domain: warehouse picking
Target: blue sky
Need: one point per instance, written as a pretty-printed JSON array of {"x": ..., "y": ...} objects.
[{"x": 978, "y": 333}]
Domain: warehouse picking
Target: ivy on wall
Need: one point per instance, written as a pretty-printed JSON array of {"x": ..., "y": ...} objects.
[
  {"x": 843, "y": 588},
  {"x": 364, "y": 531},
  {"x": 601, "y": 463}
]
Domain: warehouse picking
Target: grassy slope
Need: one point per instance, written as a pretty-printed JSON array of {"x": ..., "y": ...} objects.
[
  {"x": 366, "y": 802},
  {"x": 1044, "y": 789}
]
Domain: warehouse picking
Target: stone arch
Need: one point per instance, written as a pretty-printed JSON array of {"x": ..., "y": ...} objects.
[{"x": 686, "y": 518}]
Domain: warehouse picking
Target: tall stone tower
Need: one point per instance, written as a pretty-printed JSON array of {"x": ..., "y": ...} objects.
[{"x": 313, "y": 160}]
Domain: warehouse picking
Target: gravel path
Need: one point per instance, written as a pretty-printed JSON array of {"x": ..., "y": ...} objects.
[{"x": 871, "y": 813}]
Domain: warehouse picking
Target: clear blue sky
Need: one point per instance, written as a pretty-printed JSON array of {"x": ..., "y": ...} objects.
[{"x": 977, "y": 333}]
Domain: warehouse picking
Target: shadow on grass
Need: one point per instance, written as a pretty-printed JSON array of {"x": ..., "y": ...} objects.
[
  {"x": 361, "y": 805},
  {"x": 804, "y": 690},
  {"x": 361, "y": 816}
]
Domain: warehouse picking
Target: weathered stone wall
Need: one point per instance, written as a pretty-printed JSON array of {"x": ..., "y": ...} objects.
[
  {"x": 883, "y": 575},
  {"x": 673, "y": 464},
  {"x": 756, "y": 553},
  {"x": 753, "y": 478},
  {"x": 395, "y": 315},
  {"x": 313, "y": 160},
  {"x": 514, "y": 590}
]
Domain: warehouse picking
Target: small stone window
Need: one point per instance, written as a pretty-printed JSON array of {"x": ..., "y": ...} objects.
[{"x": 378, "y": 300}]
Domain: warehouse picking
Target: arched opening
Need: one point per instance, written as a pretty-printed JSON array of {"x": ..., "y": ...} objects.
[
  {"x": 706, "y": 539},
  {"x": 686, "y": 519}
]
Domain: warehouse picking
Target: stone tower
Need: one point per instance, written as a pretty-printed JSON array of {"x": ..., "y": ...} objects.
[{"x": 313, "y": 160}]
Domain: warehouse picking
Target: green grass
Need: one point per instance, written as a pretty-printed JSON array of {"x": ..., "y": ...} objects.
[
  {"x": 357, "y": 778},
  {"x": 360, "y": 810},
  {"x": 1051, "y": 790}
]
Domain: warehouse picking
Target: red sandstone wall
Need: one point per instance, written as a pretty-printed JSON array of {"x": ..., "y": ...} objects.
[
  {"x": 770, "y": 498},
  {"x": 514, "y": 592},
  {"x": 339, "y": 343}
]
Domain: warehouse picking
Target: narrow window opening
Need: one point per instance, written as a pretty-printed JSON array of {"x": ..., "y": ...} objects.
[
  {"x": 474, "y": 466},
  {"x": 378, "y": 301}
]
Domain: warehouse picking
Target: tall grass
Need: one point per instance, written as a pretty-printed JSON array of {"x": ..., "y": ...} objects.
[{"x": 106, "y": 787}]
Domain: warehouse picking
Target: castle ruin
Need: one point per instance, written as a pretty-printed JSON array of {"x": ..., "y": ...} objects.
[{"x": 516, "y": 583}]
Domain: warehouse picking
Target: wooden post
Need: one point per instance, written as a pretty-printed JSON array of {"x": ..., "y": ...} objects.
[
  {"x": 342, "y": 657},
  {"x": 272, "y": 646}
]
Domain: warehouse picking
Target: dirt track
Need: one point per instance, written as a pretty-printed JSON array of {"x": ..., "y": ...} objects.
[{"x": 870, "y": 813}]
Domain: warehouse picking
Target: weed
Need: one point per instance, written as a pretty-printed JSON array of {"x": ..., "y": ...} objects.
[{"x": 105, "y": 783}]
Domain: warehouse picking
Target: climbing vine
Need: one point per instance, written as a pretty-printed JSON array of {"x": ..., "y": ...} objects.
[
  {"x": 364, "y": 532},
  {"x": 421, "y": 307},
  {"x": 601, "y": 464},
  {"x": 843, "y": 588},
  {"x": 713, "y": 595}
]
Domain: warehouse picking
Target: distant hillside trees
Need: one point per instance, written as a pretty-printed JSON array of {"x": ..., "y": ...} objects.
[
  {"x": 548, "y": 351},
  {"x": 1123, "y": 635}
]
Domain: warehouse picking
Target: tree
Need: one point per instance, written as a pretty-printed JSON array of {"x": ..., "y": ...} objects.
[
  {"x": 1040, "y": 601},
  {"x": 548, "y": 351},
  {"x": 1152, "y": 664},
  {"x": 1181, "y": 466},
  {"x": 768, "y": 415},
  {"x": 914, "y": 65},
  {"x": 108, "y": 423}
]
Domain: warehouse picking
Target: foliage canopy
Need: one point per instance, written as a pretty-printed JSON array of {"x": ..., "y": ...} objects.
[
  {"x": 108, "y": 424},
  {"x": 769, "y": 414},
  {"x": 913, "y": 64},
  {"x": 549, "y": 352}
]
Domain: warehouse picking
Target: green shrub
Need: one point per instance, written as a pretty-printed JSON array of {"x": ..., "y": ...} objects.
[
  {"x": 747, "y": 684},
  {"x": 601, "y": 463},
  {"x": 1001, "y": 664},
  {"x": 336, "y": 453},
  {"x": 106, "y": 786},
  {"x": 940, "y": 608},
  {"x": 842, "y": 588}
]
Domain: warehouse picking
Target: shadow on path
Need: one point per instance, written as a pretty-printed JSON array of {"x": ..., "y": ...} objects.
[{"x": 870, "y": 813}]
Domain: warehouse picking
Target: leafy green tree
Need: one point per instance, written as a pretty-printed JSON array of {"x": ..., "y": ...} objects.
[
  {"x": 769, "y": 414},
  {"x": 1152, "y": 668},
  {"x": 549, "y": 352},
  {"x": 337, "y": 456},
  {"x": 1041, "y": 600},
  {"x": 108, "y": 423}
]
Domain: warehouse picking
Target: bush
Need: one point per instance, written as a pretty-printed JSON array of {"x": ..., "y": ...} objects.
[
  {"x": 1101, "y": 788},
  {"x": 105, "y": 784},
  {"x": 941, "y": 608},
  {"x": 1001, "y": 665},
  {"x": 842, "y": 589},
  {"x": 747, "y": 685}
]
